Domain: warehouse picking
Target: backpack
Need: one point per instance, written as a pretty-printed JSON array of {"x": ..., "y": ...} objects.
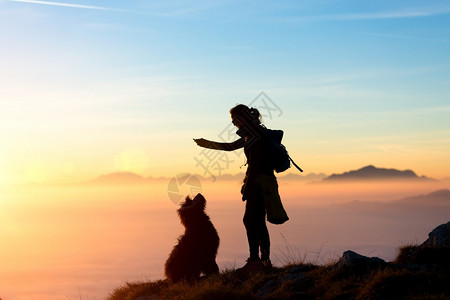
[{"x": 279, "y": 156}]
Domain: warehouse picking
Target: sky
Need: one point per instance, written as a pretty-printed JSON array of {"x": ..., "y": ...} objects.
[{"x": 94, "y": 87}]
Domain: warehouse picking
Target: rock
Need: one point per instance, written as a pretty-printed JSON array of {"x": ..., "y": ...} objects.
[
  {"x": 295, "y": 275},
  {"x": 269, "y": 287},
  {"x": 439, "y": 237},
  {"x": 352, "y": 260}
]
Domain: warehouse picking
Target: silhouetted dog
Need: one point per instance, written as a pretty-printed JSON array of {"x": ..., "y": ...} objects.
[{"x": 196, "y": 250}]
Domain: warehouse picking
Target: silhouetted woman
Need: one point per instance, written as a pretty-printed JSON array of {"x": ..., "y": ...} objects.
[{"x": 260, "y": 184}]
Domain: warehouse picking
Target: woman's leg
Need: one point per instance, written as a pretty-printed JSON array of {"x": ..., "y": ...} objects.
[
  {"x": 255, "y": 223},
  {"x": 265, "y": 243}
]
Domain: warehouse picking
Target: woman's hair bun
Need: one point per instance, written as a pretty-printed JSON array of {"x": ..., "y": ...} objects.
[
  {"x": 254, "y": 112},
  {"x": 248, "y": 113}
]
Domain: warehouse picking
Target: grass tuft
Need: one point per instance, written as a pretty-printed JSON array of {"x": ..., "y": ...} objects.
[
  {"x": 406, "y": 284},
  {"x": 412, "y": 254}
]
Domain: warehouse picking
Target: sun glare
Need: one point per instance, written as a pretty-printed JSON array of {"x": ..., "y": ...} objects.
[
  {"x": 37, "y": 171},
  {"x": 68, "y": 168},
  {"x": 132, "y": 160}
]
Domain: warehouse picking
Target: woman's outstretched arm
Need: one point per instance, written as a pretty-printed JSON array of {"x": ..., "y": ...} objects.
[{"x": 221, "y": 146}]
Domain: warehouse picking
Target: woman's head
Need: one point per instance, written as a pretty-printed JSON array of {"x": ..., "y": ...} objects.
[{"x": 242, "y": 115}]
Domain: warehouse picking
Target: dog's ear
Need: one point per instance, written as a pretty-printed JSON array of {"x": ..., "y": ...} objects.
[
  {"x": 200, "y": 201},
  {"x": 199, "y": 197},
  {"x": 188, "y": 201}
]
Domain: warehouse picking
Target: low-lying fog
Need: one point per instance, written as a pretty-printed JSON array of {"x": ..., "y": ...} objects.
[{"x": 81, "y": 242}]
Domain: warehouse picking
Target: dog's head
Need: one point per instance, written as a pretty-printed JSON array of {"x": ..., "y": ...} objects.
[
  {"x": 191, "y": 207},
  {"x": 198, "y": 202}
]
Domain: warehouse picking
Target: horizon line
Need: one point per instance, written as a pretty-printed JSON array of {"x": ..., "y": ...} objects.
[{"x": 307, "y": 178}]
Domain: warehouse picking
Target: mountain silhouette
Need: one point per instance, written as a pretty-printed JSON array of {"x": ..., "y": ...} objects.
[
  {"x": 118, "y": 178},
  {"x": 133, "y": 178},
  {"x": 366, "y": 173},
  {"x": 437, "y": 197},
  {"x": 373, "y": 173}
]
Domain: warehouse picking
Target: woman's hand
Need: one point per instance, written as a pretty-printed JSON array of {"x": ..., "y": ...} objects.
[{"x": 202, "y": 142}]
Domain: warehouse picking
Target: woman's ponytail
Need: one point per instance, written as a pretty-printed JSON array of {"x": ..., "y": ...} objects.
[
  {"x": 256, "y": 116},
  {"x": 243, "y": 111}
]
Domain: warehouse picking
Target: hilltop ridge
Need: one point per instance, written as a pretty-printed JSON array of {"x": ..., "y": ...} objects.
[
  {"x": 371, "y": 172},
  {"x": 367, "y": 173},
  {"x": 418, "y": 272}
]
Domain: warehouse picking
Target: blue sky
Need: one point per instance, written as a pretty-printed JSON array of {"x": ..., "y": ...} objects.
[{"x": 83, "y": 82}]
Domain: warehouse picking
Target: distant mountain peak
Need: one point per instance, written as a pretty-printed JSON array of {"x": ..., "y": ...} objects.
[
  {"x": 118, "y": 177},
  {"x": 371, "y": 172},
  {"x": 369, "y": 167}
]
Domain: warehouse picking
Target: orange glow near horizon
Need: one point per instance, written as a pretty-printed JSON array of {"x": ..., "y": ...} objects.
[
  {"x": 55, "y": 232},
  {"x": 135, "y": 160},
  {"x": 125, "y": 231}
]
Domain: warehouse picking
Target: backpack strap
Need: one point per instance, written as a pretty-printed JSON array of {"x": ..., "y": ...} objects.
[{"x": 293, "y": 162}]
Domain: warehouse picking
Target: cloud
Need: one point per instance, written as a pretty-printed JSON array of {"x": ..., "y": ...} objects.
[
  {"x": 174, "y": 12},
  {"x": 382, "y": 15},
  {"x": 399, "y": 14},
  {"x": 63, "y": 4},
  {"x": 392, "y": 148},
  {"x": 79, "y": 6}
]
